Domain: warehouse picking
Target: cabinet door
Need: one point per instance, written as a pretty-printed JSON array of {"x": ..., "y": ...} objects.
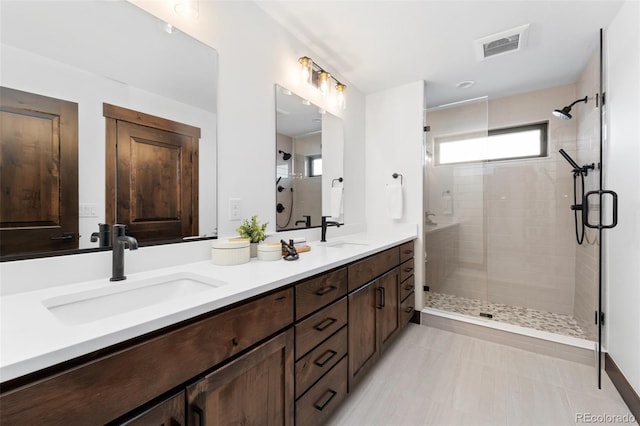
[
  {"x": 388, "y": 320},
  {"x": 169, "y": 412},
  {"x": 255, "y": 389},
  {"x": 363, "y": 341}
]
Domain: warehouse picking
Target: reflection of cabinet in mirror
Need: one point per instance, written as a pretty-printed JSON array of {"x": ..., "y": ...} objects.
[
  {"x": 39, "y": 173},
  {"x": 151, "y": 175}
]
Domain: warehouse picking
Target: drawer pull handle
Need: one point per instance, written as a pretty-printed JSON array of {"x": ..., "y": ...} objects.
[
  {"x": 408, "y": 287},
  {"x": 325, "y": 399},
  {"x": 408, "y": 269},
  {"x": 323, "y": 359},
  {"x": 409, "y": 309},
  {"x": 281, "y": 298},
  {"x": 234, "y": 341},
  {"x": 408, "y": 251},
  {"x": 382, "y": 297},
  {"x": 325, "y": 323},
  {"x": 200, "y": 414},
  {"x": 325, "y": 290}
]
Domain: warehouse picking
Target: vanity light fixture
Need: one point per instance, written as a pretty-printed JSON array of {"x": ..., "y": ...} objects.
[{"x": 313, "y": 75}]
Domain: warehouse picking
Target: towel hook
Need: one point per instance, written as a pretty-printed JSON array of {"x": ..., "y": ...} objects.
[
  {"x": 395, "y": 176},
  {"x": 334, "y": 181}
]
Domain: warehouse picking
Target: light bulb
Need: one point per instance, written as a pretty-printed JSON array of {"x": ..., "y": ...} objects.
[
  {"x": 186, "y": 8},
  {"x": 340, "y": 98},
  {"x": 323, "y": 82},
  {"x": 306, "y": 70}
]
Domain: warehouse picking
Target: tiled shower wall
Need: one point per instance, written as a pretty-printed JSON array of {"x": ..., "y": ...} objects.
[{"x": 516, "y": 230}]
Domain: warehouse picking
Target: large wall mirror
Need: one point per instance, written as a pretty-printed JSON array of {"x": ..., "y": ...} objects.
[
  {"x": 116, "y": 66},
  {"x": 309, "y": 163}
]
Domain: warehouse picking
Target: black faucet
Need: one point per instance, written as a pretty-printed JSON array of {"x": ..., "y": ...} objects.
[
  {"x": 119, "y": 241},
  {"x": 306, "y": 221},
  {"x": 325, "y": 224},
  {"x": 103, "y": 237}
]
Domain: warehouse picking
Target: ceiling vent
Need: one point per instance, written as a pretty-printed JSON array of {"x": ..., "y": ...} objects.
[{"x": 508, "y": 41}]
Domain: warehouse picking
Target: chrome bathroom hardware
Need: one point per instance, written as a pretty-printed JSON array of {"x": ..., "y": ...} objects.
[
  {"x": 334, "y": 181},
  {"x": 396, "y": 175}
]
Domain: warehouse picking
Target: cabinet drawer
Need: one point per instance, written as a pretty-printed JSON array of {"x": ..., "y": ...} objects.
[
  {"x": 317, "y": 292},
  {"x": 315, "y": 406},
  {"x": 406, "y": 309},
  {"x": 406, "y": 251},
  {"x": 407, "y": 287},
  {"x": 406, "y": 270},
  {"x": 320, "y": 360},
  {"x": 85, "y": 393},
  {"x": 373, "y": 266},
  {"x": 315, "y": 329}
]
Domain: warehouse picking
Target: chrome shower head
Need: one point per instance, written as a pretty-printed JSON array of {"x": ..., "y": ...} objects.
[{"x": 564, "y": 113}]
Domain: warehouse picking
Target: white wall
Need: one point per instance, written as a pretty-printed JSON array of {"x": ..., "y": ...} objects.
[
  {"x": 394, "y": 134},
  {"x": 622, "y": 174},
  {"x": 254, "y": 54}
]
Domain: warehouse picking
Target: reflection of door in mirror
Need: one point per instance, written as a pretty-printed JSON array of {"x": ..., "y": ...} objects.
[
  {"x": 154, "y": 179},
  {"x": 39, "y": 173}
]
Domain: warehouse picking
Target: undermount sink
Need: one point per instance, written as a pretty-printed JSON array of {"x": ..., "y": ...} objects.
[
  {"x": 345, "y": 244},
  {"x": 83, "y": 307}
]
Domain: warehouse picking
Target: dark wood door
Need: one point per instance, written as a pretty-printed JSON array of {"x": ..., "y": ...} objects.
[
  {"x": 39, "y": 173},
  {"x": 255, "y": 389},
  {"x": 363, "y": 341},
  {"x": 154, "y": 180},
  {"x": 388, "y": 318}
]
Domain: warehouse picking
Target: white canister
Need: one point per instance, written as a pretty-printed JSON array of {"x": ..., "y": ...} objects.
[
  {"x": 230, "y": 252},
  {"x": 270, "y": 251}
]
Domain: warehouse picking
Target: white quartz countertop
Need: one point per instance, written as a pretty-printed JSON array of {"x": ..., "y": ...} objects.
[{"x": 33, "y": 338}]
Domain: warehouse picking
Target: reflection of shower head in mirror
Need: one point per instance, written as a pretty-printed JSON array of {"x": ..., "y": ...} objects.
[{"x": 285, "y": 155}]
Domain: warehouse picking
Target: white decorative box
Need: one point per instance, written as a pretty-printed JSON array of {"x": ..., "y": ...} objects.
[
  {"x": 230, "y": 252},
  {"x": 270, "y": 251}
]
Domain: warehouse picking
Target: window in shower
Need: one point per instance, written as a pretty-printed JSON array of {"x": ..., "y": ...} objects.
[{"x": 511, "y": 143}]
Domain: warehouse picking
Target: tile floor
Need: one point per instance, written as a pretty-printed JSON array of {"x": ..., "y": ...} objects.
[
  {"x": 516, "y": 315},
  {"x": 435, "y": 377}
]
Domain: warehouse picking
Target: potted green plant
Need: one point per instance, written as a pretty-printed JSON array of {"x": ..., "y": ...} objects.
[{"x": 254, "y": 231}]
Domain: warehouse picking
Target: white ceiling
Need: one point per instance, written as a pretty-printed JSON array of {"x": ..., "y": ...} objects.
[
  {"x": 376, "y": 45},
  {"x": 116, "y": 40}
]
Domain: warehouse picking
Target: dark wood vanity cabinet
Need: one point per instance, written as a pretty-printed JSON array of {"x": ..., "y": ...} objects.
[
  {"x": 380, "y": 304},
  {"x": 255, "y": 389},
  {"x": 406, "y": 284},
  {"x": 321, "y": 346},
  {"x": 169, "y": 412},
  {"x": 286, "y": 357}
]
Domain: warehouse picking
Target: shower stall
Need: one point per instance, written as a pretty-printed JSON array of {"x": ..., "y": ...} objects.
[{"x": 501, "y": 220}]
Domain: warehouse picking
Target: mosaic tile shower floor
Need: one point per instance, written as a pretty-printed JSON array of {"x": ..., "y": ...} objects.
[{"x": 515, "y": 315}]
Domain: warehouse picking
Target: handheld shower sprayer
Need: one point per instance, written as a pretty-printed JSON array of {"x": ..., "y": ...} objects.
[{"x": 582, "y": 172}]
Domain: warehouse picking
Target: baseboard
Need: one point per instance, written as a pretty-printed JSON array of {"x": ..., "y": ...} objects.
[
  {"x": 623, "y": 386},
  {"x": 583, "y": 353}
]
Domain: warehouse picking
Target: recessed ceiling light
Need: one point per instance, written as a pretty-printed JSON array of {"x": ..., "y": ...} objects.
[{"x": 465, "y": 84}]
